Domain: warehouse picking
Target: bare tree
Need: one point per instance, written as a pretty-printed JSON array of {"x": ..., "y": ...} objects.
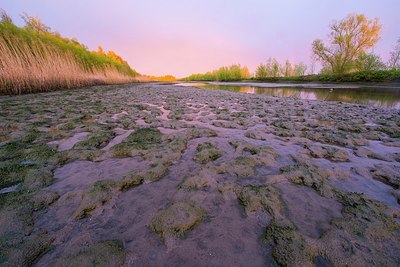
[
  {"x": 394, "y": 61},
  {"x": 312, "y": 66}
]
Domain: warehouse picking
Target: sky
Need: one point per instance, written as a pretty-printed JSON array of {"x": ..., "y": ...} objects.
[{"x": 181, "y": 37}]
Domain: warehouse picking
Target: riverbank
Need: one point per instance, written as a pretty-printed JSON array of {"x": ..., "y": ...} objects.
[
  {"x": 151, "y": 174},
  {"x": 354, "y": 77},
  {"x": 381, "y": 76}
]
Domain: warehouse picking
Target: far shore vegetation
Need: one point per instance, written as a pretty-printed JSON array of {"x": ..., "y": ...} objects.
[
  {"x": 165, "y": 78},
  {"x": 346, "y": 57},
  {"x": 36, "y": 59}
]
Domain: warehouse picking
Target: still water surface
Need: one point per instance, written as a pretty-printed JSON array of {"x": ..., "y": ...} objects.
[{"x": 387, "y": 96}]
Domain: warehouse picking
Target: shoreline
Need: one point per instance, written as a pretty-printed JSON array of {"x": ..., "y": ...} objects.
[{"x": 300, "y": 84}]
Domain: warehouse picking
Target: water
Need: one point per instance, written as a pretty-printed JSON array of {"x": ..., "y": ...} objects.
[{"x": 386, "y": 96}]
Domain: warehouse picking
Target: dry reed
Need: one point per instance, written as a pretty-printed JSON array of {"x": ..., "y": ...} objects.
[{"x": 31, "y": 68}]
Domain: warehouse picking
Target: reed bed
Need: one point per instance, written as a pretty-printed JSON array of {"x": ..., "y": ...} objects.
[{"x": 37, "y": 67}]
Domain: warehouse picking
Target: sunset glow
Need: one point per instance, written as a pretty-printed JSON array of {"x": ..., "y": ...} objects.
[{"x": 184, "y": 37}]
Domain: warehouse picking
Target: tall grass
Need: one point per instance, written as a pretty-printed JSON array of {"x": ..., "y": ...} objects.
[{"x": 37, "y": 62}]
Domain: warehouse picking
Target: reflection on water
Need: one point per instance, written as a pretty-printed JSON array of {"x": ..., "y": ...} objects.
[{"x": 387, "y": 97}]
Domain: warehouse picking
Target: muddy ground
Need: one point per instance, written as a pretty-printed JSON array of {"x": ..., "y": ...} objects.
[{"x": 160, "y": 175}]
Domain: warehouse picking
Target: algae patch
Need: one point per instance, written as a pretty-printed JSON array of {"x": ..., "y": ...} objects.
[
  {"x": 176, "y": 219},
  {"x": 104, "y": 253},
  {"x": 207, "y": 152}
]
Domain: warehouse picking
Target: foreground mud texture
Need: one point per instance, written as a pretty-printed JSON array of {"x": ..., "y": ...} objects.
[{"x": 161, "y": 175}]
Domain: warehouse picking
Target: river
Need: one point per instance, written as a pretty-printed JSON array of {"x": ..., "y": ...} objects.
[{"x": 381, "y": 95}]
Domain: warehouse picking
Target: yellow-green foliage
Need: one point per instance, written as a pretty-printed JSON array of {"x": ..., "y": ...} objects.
[
  {"x": 165, "y": 78},
  {"x": 230, "y": 73},
  {"x": 34, "y": 59}
]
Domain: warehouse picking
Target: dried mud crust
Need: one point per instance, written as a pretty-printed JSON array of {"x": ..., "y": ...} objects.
[{"x": 152, "y": 174}]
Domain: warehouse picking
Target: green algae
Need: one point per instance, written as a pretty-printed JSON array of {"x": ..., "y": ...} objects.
[
  {"x": 207, "y": 152},
  {"x": 177, "y": 219}
]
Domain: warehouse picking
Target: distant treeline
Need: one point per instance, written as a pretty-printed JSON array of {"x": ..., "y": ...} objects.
[
  {"x": 360, "y": 76},
  {"x": 36, "y": 59},
  {"x": 230, "y": 73},
  {"x": 344, "y": 58},
  {"x": 273, "y": 71},
  {"x": 165, "y": 78}
]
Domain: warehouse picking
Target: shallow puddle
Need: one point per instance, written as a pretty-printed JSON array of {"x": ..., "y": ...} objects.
[
  {"x": 117, "y": 140},
  {"x": 68, "y": 143},
  {"x": 309, "y": 211},
  {"x": 9, "y": 189},
  {"x": 116, "y": 116},
  {"x": 81, "y": 174}
]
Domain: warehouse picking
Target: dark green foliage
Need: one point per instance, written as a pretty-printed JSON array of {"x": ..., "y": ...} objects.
[{"x": 364, "y": 76}]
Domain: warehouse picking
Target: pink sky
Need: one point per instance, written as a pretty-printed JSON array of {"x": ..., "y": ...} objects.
[{"x": 177, "y": 37}]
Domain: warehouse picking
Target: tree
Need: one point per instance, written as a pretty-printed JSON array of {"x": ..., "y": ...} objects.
[
  {"x": 369, "y": 62},
  {"x": 273, "y": 68},
  {"x": 348, "y": 39},
  {"x": 261, "y": 71},
  {"x": 287, "y": 69},
  {"x": 300, "y": 69},
  {"x": 245, "y": 73},
  {"x": 312, "y": 66},
  {"x": 394, "y": 61}
]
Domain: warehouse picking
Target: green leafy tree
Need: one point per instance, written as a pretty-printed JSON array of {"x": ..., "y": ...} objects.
[
  {"x": 349, "y": 38},
  {"x": 274, "y": 68},
  {"x": 261, "y": 71},
  {"x": 288, "y": 69},
  {"x": 300, "y": 69},
  {"x": 369, "y": 62}
]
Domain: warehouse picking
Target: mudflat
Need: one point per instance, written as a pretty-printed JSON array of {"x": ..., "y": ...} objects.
[{"x": 157, "y": 174}]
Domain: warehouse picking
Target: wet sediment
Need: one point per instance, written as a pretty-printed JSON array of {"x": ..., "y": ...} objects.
[{"x": 151, "y": 174}]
